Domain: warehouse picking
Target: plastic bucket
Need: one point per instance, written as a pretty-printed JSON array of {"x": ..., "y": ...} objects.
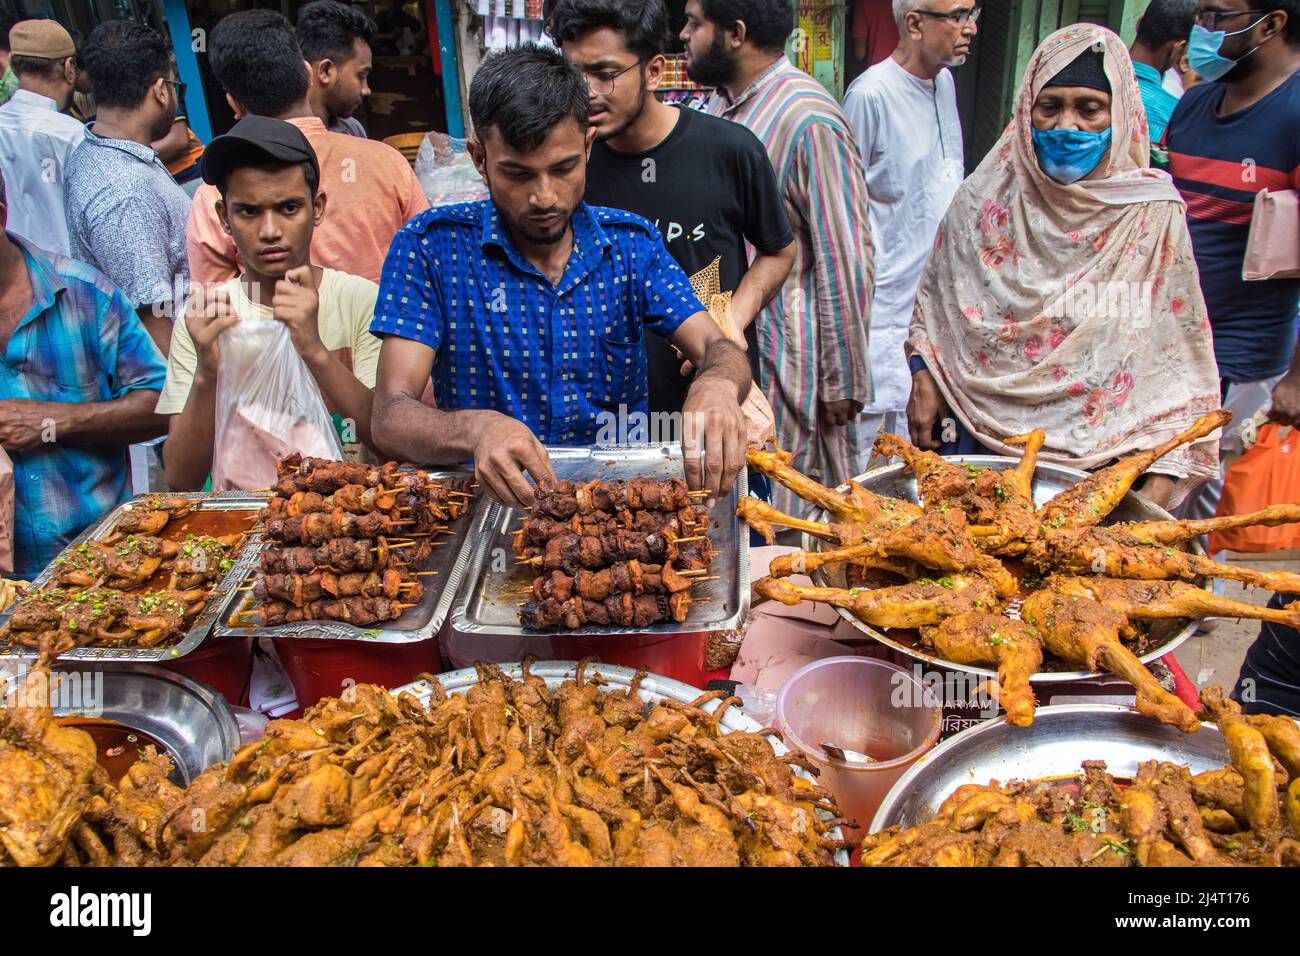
[
  {"x": 862, "y": 704},
  {"x": 326, "y": 668},
  {"x": 223, "y": 663}
]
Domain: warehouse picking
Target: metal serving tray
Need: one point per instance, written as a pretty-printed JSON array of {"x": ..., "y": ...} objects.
[
  {"x": 1053, "y": 746},
  {"x": 653, "y": 688},
  {"x": 419, "y": 623},
  {"x": 486, "y": 607},
  {"x": 897, "y": 482},
  {"x": 219, "y": 597}
]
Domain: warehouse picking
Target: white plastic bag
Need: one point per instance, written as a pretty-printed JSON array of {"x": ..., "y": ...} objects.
[
  {"x": 446, "y": 171},
  {"x": 268, "y": 405}
]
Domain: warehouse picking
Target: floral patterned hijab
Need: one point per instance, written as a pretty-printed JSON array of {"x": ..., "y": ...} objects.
[{"x": 1076, "y": 309}]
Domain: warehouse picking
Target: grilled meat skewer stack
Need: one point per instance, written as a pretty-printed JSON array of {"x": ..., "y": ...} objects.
[
  {"x": 338, "y": 549},
  {"x": 613, "y": 552}
]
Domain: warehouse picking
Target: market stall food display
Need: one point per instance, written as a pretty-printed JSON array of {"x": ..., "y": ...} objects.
[
  {"x": 979, "y": 565},
  {"x": 511, "y": 771},
  {"x": 988, "y": 577}
]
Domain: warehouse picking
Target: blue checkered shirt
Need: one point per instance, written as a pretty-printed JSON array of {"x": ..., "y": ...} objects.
[
  {"x": 551, "y": 356},
  {"x": 79, "y": 342}
]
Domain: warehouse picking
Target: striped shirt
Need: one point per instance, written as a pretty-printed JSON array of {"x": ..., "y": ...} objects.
[
  {"x": 1219, "y": 164},
  {"x": 79, "y": 342},
  {"x": 812, "y": 337}
]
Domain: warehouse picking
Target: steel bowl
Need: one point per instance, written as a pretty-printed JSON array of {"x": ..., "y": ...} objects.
[
  {"x": 896, "y": 481},
  {"x": 653, "y": 688},
  {"x": 1054, "y": 745},
  {"x": 190, "y": 719}
]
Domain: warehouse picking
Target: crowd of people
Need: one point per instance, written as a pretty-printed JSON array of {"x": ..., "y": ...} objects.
[{"x": 827, "y": 268}]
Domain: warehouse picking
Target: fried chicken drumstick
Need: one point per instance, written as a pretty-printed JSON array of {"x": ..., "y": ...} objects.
[
  {"x": 1116, "y": 553},
  {"x": 917, "y": 604},
  {"x": 1087, "y": 634},
  {"x": 1156, "y": 600},
  {"x": 991, "y": 640},
  {"x": 1087, "y": 503}
]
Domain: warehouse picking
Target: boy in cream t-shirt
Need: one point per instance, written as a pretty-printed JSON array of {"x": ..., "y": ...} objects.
[{"x": 267, "y": 175}]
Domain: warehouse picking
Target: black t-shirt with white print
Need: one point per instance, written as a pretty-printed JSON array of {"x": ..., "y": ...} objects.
[{"x": 708, "y": 187}]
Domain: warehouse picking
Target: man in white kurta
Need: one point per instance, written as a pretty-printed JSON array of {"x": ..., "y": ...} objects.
[{"x": 903, "y": 112}]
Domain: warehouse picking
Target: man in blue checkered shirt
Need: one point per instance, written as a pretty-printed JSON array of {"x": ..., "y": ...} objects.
[
  {"x": 528, "y": 309},
  {"x": 79, "y": 377}
]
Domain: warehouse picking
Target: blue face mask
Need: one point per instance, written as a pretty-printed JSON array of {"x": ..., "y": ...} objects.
[
  {"x": 1067, "y": 155},
  {"x": 1203, "y": 51}
]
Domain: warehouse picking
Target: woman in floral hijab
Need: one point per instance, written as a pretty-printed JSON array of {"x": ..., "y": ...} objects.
[{"x": 1062, "y": 293}]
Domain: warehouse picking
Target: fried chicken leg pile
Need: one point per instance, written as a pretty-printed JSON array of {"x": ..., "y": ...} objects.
[
  {"x": 1245, "y": 814},
  {"x": 510, "y": 774},
  {"x": 1086, "y": 587}
]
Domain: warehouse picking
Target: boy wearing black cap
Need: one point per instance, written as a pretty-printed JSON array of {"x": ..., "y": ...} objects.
[{"x": 267, "y": 175}]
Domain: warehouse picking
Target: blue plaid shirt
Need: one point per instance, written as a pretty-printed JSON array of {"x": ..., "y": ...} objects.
[
  {"x": 79, "y": 342},
  {"x": 551, "y": 356}
]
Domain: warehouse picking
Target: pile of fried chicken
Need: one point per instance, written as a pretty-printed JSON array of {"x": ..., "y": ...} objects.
[
  {"x": 1244, "y": 814},
  {"x": 510, "y": 773},
  {"x": 991, "y": 580},
  {"x": 130, "y": 588}
]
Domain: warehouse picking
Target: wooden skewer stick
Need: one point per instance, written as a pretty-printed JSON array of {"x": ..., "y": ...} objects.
[
  {"x": 697, "y": 537},
  {"x": 698, "y": 494},
  {"x": 422, "y": 573},
  {"x": 692, "y": 574},
  {"x": 403, "y": 606}
]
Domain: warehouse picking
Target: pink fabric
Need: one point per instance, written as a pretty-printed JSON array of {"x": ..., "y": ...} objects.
[{"x": 1076, "y": 309}]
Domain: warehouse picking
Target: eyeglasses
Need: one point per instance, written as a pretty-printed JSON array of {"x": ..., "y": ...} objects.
[
  {"x": 959, "y": 17},
  {"x": 1210, "y": 18},
  {"x": 601, "y": 82},
  {"x": 180, "y": 89}
]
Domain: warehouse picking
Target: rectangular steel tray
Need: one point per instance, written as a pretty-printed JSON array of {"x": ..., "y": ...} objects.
[
  {"x": 217, "y": 600},
  {"x": 485, "y": 607},
  {"x": 419, "y": 623}
]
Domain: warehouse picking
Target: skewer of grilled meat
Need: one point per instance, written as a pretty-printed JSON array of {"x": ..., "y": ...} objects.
[
  {"x": 319, "y": 527},
  {"x": 356, "y": 499},
  {"x": 626, "y": 610},
  {"x": 358, "y": 611},
  {"x": 570, "y": 552},
  {"x": 632, "y": 577},
  {"x": 536, "y": 531},
  {"x": 325, "y": 475},
  {"x": 302, "y": 589},
  {"x": 564, "y": 499},
  {"x": 337, "y": 554}
]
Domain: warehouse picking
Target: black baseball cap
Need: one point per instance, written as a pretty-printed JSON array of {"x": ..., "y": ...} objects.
[{"x": 279, "y": 141}]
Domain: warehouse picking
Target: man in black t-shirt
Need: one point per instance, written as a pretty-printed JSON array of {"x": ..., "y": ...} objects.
[{"x": 705, "y": 182}]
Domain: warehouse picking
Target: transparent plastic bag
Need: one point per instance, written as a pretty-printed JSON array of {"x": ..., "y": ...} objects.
[
  {"x": 446, "y": 171},
  {"x": 268, "y": 405}
]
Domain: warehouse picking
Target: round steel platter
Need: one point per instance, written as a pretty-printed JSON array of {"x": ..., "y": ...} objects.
[
  {"x": 896, "y": 481},
  {"x": 190, "y": 719},
  {"x": 1054, "y": 745}
]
